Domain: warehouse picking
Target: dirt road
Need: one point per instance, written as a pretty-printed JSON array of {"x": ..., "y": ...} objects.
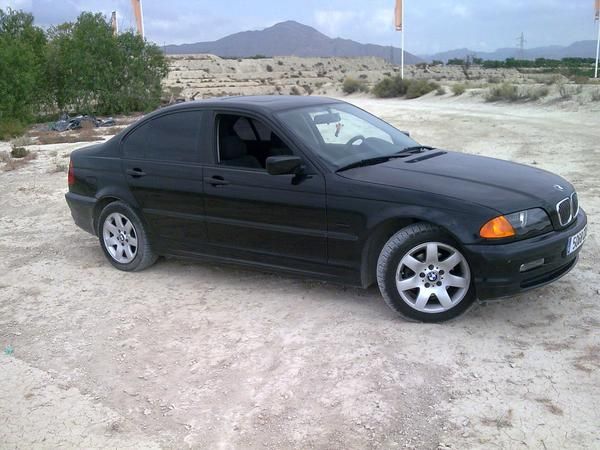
[{"x": 191, "y": 354}]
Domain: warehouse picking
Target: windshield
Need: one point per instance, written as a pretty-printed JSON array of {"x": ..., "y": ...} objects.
[{"x": 342, "y": 134}]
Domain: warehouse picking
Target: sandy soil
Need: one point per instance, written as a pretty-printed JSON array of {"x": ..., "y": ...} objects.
[{"x": 191, "y": 354}]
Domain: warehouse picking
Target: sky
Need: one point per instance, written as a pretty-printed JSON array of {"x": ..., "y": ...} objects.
[{"x": 430, "y": 25}]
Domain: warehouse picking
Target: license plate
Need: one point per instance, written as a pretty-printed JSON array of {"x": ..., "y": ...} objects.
[{"x": 576, "y": 241}]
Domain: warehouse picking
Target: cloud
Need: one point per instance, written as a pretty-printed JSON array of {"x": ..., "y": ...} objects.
[
  {"x": 431, "y": 24},
  {"x": 381, "y": 20},
  {"x": 17, "y": 4},
  {"x": 460, "y": 10},
  {"x": 333, "y": 21}
]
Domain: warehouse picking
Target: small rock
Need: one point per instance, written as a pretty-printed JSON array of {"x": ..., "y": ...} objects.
[{"x": 147, "y": 412}]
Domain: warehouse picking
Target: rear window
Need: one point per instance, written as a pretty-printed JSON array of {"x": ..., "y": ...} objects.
[{"x": 173, "y": 137}]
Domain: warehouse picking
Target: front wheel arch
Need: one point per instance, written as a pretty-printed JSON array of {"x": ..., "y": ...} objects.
[{"x": 379, "y": 236}]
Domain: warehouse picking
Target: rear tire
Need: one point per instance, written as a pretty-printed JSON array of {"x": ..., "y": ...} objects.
[
  {"x": 123, "y": 238},
  {"x": 423, "y": 276}
]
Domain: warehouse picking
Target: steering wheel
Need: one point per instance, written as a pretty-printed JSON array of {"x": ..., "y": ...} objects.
[{"x": 358, "y": 137}]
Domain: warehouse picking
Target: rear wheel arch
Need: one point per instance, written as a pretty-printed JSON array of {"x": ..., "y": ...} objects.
[
  {"x": 100, "y": 205},
  {"x": 106, "y": 199}
]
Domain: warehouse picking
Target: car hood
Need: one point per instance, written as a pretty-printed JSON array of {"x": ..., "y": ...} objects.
[{"x": 502, "y": 185}]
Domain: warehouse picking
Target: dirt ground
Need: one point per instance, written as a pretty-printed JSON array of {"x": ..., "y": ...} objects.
[{"x": 192, "y": 354}]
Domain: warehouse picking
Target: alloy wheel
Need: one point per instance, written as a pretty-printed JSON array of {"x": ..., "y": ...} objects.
[
  {"x": 433, "y": 277},
  {"x": 120, "y": 238}
]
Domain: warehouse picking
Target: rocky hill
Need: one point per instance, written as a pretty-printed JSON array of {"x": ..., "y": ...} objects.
[{"x": 289, "y": 39}]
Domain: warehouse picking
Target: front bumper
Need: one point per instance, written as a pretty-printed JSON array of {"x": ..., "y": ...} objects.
[
  {"x": 82, "y": 210},
  {"x": 496, "y": 268}
]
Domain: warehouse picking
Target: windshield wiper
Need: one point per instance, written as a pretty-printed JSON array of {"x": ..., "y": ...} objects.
[
  {"x": 368, "y": 162},
  {"x": 381, "y": 159},
  {"x": 414, "y": 148}
]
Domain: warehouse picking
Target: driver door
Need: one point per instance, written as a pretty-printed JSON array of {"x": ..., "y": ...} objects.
[{"x": 251, "y": 215}]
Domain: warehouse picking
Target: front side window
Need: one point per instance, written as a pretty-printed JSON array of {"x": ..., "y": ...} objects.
[
  {"x": 342, "y": 134},
  {"x": 172, "y": 137},
  {"x": 247, "y": 142}
]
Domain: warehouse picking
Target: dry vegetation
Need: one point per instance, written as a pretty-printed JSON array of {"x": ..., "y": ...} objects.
[
  {"x": 203, "y": 76},
  {"x": 12, "y": 162}
]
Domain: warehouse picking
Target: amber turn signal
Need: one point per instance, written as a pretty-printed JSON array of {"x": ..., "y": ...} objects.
[{"x": 497, "y": 228}]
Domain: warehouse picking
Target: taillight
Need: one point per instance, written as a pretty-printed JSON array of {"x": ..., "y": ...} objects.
[{"x": 71, "y": 175}]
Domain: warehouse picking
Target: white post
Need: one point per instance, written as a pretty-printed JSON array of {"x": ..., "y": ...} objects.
[
  {"x": 142, "y": 19},
  {"x": 402, "y": 50},
  {"x": 597, "y": 50}
]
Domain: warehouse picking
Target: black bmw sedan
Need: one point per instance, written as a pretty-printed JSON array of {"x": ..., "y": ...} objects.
[{"x": 318, "y": 187}]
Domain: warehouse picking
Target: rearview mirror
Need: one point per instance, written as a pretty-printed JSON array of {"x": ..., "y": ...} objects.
[
  {"x": 327, "y": 118},
  {"x": 283, "y": 165}
]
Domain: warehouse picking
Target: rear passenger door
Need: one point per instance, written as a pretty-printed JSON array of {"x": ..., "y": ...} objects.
[{"x": 161, "y": 162}]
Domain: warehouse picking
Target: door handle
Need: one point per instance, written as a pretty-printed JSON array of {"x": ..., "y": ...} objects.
[
  {"x": 217, "y": 180},
  {"x": 136, "y": 173}
]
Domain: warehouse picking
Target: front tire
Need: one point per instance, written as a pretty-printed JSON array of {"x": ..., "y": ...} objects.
[
  {"x": 123, "y": 238},
  {"x": 423, "y": 276}
]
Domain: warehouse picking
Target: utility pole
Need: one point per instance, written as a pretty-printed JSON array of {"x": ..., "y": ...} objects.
[{"x": 521, "y": 42}]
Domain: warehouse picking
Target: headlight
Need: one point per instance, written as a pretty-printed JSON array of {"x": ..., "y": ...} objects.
[{"x": 521, "y": 224}]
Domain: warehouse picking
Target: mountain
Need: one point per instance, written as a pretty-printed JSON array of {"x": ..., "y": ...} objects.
[
  {"x": 288, "y": 39},
  {"x": 580, "y": 49}
]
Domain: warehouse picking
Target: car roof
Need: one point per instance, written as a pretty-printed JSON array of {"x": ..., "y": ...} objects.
[{"x": 261, "y": 102}]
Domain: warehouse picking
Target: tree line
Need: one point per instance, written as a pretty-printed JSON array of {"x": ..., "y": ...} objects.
[
  {"x": 78, "y": 67},
  {"x": 566, "y": 66}
]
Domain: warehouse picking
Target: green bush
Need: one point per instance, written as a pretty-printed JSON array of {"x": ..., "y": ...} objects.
[
  {"x": 78, "y": 66},
  {"x": 505, "y": 91},
  {"x": 23, "y": 85},
  {"x": 536, "y": 93},
  {"x": 10, "y": 128},
  {"x": 92, "y": 71},
  {"x": 352, "y": 85},
  {"x": 511, "y": 93},
  {"x": 391, "y": 87},
  {"x": 418, "y": 88},
  {"x": 440, "y": 91},
  {"x": 19, "y": 152},
  {"x": 459, "y": 89}
]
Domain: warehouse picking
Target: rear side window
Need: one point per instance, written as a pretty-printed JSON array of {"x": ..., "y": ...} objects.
[{"x": 173, "y": 137}]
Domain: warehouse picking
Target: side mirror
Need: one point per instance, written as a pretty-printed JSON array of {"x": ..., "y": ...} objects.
[{"x": 283, "y": 165}]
